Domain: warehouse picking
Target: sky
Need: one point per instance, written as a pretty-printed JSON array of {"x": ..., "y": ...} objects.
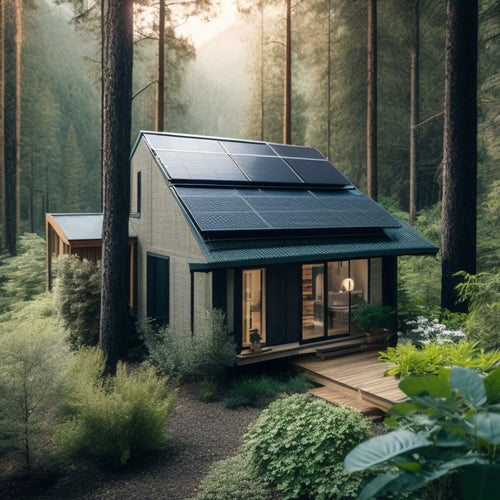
[{"x": 201, "y": 31}]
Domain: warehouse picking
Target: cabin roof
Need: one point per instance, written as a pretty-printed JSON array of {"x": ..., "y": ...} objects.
[
  {"x": 82, "y": 227},
  {"x": 250, "y": 202}
]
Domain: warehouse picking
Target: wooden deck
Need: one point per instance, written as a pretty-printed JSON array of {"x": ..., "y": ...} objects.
[{"x": 355, "y": 380}]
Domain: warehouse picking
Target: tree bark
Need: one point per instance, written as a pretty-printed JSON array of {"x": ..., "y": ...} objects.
[
  {"x": 19, "y": 44},
  {"x": 414, "y": 113},
  {"x": 2, "y": 122},
  {"x": 371, "y": 117},
  {"x": 117, "y": 51},
  {"x": 458, "y": 235},
  {"x": 160, "y": 88},
  {"x": 287, "y": 104}
]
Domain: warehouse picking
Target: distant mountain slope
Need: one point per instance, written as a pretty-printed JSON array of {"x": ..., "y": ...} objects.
[{"x": 216, "y": 85}]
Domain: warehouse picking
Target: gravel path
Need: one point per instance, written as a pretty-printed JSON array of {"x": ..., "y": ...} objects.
[{"x": 199, "y": 434}]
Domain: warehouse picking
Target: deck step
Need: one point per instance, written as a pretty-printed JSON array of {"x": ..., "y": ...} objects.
[
  {"x": 343, "y": 398},
  {"x": 332, "y": 352}
]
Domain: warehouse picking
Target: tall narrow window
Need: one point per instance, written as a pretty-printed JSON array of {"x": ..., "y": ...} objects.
[
  {"x": 158, "y": 287},
  {"x": 139, "y": 187},
  {"x": 253, "y": 304}
]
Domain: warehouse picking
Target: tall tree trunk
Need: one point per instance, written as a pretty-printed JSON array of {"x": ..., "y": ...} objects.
[
  {"x": 414, "y": 113},
  {"x": 287, "y": 105},
  {"x": 19, "y": 43},
  {"x": 371, "y": 116},
  {"x": 262, "y": 70},
  {"x": 160, "y": 88},
  {"x": 329, "y": 84},
  {"x": 117, "y": 51},
  {"x": 11, "y": 116},
  {"x": 458, "y": 234},
  {"x": 2, "y": 123}
]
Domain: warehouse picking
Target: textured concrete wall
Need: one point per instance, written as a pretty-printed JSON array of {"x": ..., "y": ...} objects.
[{"x": 162, "y": 229}]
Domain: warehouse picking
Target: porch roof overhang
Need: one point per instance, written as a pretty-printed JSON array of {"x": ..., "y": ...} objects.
[{"x": 394, "y": 241}]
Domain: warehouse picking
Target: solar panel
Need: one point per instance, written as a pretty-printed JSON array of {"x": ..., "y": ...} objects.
[
  {"x": 248, "y": 148},
  {"x": 181, "y": 143},
  {"x": 219, "y": 210},
  {"x": 318, "y": 172},
  {"x": 297, "y": 151},
  {"x": 182, "y": 165},
  {"x": 263, "y": 169}
]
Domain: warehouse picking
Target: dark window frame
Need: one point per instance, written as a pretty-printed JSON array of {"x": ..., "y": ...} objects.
[{"x": 158, "y": 287}]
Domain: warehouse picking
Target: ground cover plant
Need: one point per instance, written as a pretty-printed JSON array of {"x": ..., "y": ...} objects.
[
  {"x": 112, "y": 419},
  {"x": 298, "y": 444},
  {"x": 255, "y": 390},
  {"x": 451, "y": 423},
  {"x": 234, "y": 478},
  {"x": 409, "y": 360}
]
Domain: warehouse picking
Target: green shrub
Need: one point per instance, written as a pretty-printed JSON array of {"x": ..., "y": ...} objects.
[
  {"x": 234, "y": 478},
  {"x": 410, "y": 361},
  {"x": 77, "y": 296},
  {"x": 34, "y": 359},
  {"x": 114, "y": 419},
  {"x": 22, "y": 277},
  {"x": 206, "y": 355},
  {"x": 299, "y": 444},
  {"x": 248, "y": 391}
]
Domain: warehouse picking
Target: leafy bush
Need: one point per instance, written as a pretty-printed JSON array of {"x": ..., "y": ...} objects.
[
  {"x": 412, "y": 361},
  {"x": 22, "y": 277},
  {"x": 77, "y": 296},
  {"x": 114, "y": 419},
  {"x": 33, "y": 362},
  {"x": 451, "y": 423},
  {"x": 248, "y": 391},
  {"x": 234, "y": 478},
  {"x": 299, "y": 443},
  {"x": 205, "y": 355}
]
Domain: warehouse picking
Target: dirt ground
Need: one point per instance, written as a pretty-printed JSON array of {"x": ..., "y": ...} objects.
[{"x": 199, "y": 434}]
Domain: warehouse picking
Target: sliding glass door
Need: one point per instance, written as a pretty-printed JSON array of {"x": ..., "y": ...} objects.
[{"x": 330, "y": 293}]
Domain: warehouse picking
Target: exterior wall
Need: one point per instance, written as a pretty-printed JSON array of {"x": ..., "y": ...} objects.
[{"x": 162, "y": 229}]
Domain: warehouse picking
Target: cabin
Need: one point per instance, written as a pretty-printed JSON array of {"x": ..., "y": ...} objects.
[{"x": 274, "y": 235}]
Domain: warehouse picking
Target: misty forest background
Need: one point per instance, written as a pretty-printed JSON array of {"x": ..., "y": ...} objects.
[{"x": 232, "y": 86}]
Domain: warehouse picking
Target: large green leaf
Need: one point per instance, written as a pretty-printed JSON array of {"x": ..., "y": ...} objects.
[
  {"x": 382, "y": 448},
  {"x": 437, "y": 386},
  {"x": 386, "y": 483},
  {"x": 480, "y": 482},
  {"x": 488, "y": 427},
  {"x": 470, "y": 384},
  {"x": 492, "y": 385}
]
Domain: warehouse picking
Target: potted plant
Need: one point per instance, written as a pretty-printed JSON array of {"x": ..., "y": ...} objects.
[
  {"x": 255, "y": 338},
  {"x": 377, "y": 320}
]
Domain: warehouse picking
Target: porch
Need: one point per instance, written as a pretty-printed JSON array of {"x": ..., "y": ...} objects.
[{"x": 356, "y": 380}]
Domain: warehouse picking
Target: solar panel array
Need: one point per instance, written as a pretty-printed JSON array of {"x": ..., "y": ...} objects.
[
  {"x": 229, "y": 186},
  {"x": 196, "y": 159}
]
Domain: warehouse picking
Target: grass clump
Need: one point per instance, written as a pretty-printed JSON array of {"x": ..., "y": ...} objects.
[
  {"x": 113, "y": 419},
  {"x": 299, "y": 443},
  {"x": 251, "y": 391},
  {"x": 234, "y": 478}
]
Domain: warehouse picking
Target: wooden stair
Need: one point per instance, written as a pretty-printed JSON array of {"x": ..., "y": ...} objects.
[{"x": 340, "y": 397}]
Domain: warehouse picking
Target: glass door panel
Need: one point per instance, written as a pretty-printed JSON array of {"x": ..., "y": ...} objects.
[
  {"x": 339, "y": 290},
  {"x": 253, "y": 306},
  {"x": 313, "y": 310}
]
